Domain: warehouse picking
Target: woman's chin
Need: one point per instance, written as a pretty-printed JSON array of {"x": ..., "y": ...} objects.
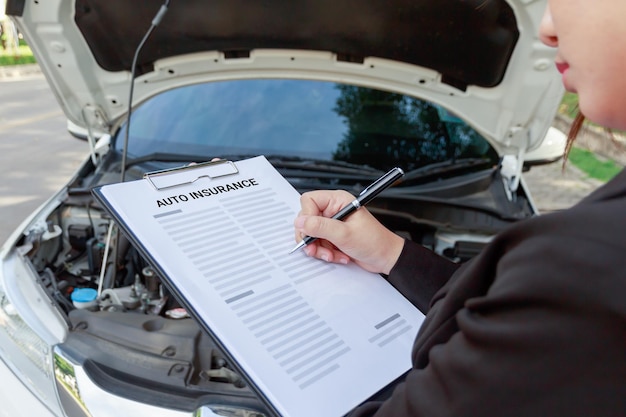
[{"x": 610, "y": 118}]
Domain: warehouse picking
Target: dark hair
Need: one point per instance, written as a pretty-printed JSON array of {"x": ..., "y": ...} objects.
[{"x": 574, "y": 130}]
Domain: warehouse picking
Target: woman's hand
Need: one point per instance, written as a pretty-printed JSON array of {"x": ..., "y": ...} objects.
[{"x": 360, "y": 237}]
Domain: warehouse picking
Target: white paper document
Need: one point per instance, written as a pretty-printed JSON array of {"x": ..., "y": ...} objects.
[{"x": 316, "y": 339}]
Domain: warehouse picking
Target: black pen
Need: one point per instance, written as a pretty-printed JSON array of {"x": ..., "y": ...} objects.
[{"x": 364, "y": 197}]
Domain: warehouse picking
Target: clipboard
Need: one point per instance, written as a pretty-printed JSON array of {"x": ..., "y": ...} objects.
[{"x": 297, "y": 330}]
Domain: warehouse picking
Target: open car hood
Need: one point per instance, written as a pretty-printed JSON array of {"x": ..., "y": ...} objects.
[{"x": 481, "y": 60}]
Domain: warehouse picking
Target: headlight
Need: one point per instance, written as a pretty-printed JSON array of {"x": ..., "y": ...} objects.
[
  {"x": 23, "y": 350},
  {"x": 31, "y": 346}
]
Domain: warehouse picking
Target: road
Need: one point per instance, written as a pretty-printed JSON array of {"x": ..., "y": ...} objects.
[
  {"x": 554, "y": 189},
  {"x": 37, "y": 155}
]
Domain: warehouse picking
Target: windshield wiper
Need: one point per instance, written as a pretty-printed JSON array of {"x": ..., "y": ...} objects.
[
  {"x": 321, "y": 165},
  {"x": 166, "y": 157},
  {"x": 446, "y": 167},
  {"x": 330, "y": 172},
  {"x": 291, "y": 166},
  {"x": 295, "y": 166}
]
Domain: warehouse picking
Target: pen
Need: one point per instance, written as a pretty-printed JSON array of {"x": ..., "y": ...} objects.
[{"x": 363, "y": 198}]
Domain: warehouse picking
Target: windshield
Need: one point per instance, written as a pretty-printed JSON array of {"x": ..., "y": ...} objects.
[{"x": 303, "y": 119}]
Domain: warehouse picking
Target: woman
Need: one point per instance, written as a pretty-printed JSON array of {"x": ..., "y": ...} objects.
[{"x": 536, "y": 324}]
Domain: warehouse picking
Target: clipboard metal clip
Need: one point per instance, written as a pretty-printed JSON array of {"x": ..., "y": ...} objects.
[{"x": 188, "y": 174}]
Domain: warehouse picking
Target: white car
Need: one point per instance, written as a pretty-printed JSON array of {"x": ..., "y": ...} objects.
[{"x": 460, "y": 94}]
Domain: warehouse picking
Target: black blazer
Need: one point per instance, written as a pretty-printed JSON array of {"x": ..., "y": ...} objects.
[{"x": 533, "y": 326}]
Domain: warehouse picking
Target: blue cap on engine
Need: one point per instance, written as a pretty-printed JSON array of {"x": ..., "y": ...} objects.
[{"x": 84, "y": 295}]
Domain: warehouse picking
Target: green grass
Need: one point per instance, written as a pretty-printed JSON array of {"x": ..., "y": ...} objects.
[
  {"x": 23, "y": 56},
  {"x": 569, "y": 105},
  {"x": 591, "y": 165}
]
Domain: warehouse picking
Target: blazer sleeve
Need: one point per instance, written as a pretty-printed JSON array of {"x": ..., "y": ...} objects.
[{"x": 419, "y": 273}]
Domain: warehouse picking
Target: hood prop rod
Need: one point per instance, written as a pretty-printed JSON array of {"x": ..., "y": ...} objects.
[
  {"x": 91, "y": 139},
  {"x": 155, "y": 22}
]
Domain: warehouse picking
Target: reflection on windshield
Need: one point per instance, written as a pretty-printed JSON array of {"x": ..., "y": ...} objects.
[
  {"x": 308, "y": 119},
  {"x": 395, "y": 127}
]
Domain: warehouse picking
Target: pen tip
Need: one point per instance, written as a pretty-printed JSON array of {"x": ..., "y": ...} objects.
[{"x": 298, "y": 246}]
